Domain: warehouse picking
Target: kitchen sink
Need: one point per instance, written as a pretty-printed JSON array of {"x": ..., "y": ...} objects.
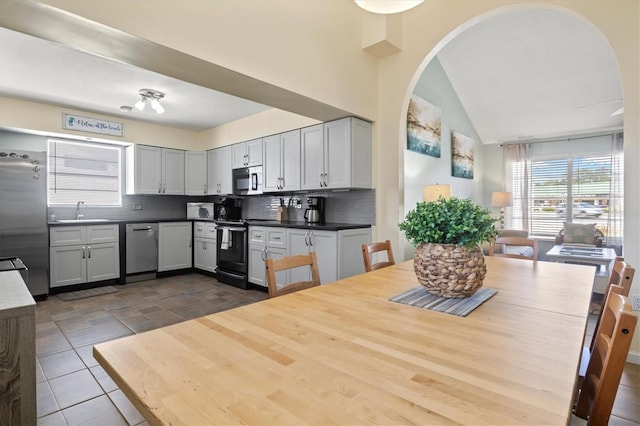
[{"x": 81, "y": 220}]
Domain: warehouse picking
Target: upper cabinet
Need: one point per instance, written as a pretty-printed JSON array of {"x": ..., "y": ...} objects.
[
  {"x": 247, "y": 154},
  {"x": 219, "y": 171},
  {"x": 336, "y": 154},
  {"x": 281, "y": 162},
  {"x": 154, "y": 170},
  {"x": 195, "y": 173}
]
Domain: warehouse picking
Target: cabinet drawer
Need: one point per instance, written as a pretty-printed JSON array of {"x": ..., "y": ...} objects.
[
  {"x": 277, "y": 237},
  {"x": 67, "y": 235},
  {"x": 102, "y": 234},
  {"x": 256, "y": 235},
  {"x": 199, "y": 229},
  {"x": 211, "y": 231}
]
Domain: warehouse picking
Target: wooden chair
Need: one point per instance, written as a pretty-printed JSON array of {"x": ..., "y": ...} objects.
[
  {"x": 607, "y": 360},
  {"x": 369, "y": 249},
  {"x": 515, "y": 241},
  {"x": 290, "y": 262},
  {"x": 620, "y": 281}
]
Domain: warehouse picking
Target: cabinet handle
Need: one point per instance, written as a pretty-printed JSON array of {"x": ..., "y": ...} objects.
[
  {"x": 83, "y": 254},
  {"x": 311, "y": 239},
  {"x": 189, "y": 242},
  {"x": 306, "y": 238},
  {"x": 205, "y": 189},
  {"x": 204, "y": 245},
  {"x": 159, "y": 188},
  {"x": 164, "y": 188},
  {"x": 282, "y": 184},
  {"x": 324, "y": 179},
  {"x": 262, "y": 254},
  {"x": 89, "y": 252}
]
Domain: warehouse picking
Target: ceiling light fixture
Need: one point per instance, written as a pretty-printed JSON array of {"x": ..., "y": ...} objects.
[
  {"x": 151, "y": 96},
  {"x": 387, "y": 6}
]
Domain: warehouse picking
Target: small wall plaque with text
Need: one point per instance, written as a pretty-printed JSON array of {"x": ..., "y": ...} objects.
[{"x": 93, "y": 125}]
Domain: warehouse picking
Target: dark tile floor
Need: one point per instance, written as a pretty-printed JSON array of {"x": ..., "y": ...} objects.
[{"x": 73, "y": 389}]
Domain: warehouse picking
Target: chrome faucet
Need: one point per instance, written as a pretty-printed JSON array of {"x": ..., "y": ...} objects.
[{"x": 78, "y": 214}]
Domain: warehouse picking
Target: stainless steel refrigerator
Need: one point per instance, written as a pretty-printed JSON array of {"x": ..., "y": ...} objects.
[{"x": 23, "y": 214}]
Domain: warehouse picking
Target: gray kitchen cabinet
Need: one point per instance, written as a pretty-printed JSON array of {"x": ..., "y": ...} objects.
[
  {"x": 174, "y": 246},
  {"x": 154, "y": 170},
  {"x": 83, "y": 254},
  {"x": 195, "y": 173},
  {"x": 204, "y": 246},
  {"x": 265, "y": 242},
  {"x": 336, "y": 154},
  {"x": 338, "y": 252},
  {"x": 247, "y": 154},
  {"x": 219, "y": 171},
  {"x": 281, "y": 162}
]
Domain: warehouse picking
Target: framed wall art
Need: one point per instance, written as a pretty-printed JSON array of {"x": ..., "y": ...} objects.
[
  {"x": 423, "y": 127},
  {"x": 461, "y": 155}
]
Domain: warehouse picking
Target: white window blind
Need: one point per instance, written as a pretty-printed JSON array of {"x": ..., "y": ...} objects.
[
  {"x": 83, "y": 172},
  {"x": 559, "y": 190}
]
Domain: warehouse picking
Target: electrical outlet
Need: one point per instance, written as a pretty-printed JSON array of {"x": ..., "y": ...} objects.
[
  {"x": 635, "y": 302},
  {"x": 137, "y": 206}
]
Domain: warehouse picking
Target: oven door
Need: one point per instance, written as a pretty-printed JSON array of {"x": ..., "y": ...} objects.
[{"x": 232, "y": 248}]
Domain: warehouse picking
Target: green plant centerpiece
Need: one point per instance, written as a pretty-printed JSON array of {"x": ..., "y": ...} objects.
[{"x": 447, "y": 235}]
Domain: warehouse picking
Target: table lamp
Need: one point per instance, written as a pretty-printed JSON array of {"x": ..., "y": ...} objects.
[
  {"x": 434, "y": 192},
  {"x": 502, "y": 200}
]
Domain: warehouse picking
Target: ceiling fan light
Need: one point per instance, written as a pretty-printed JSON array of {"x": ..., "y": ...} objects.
[
  {"x": 157, "y": 107},
  {"x": 141, "y": 103},
  {"x": 387, "y": 6}
]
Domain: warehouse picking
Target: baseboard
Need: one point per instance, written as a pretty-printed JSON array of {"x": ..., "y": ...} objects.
[{"x": 633, "y": 357}]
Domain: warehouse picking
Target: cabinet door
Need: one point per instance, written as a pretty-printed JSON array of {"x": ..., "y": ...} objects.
[
  {"x": 195, "y": 173},
  {"x": 103, "y": 262},
  {"x": 204, "y": 254},
  {"x": 298, "y": 243},
  {"x": 239, "y": 155},
  {"x": 337, "y": 153},
  {"x": 256, "y": 264},
  {"x": 172, "y": 172},
  {"x": 312, "y": 156},
  {"x": 212, "y": 172},
  {"x": 254, "y": 152},
  {"x": 274, "y": 253},
  {"x": 291, "y": 160},
  {"x": 325, "y": 244},
  {"x": 272, "y": 163},
  {"x": 211, "y": 257},
  {"x": 223, "y": 170},
  {"x": 68, "y": 265},
  {"x": 148, "y": 169},
  {"x": 174, "y": 246}
]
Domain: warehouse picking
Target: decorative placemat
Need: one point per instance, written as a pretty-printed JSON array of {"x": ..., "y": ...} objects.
[
  {"x": 419, "y": 297},
  {"x": 81, "y": 294}
]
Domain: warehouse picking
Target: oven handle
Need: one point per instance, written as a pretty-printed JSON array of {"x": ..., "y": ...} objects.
[{"x": 232, "y": 229}]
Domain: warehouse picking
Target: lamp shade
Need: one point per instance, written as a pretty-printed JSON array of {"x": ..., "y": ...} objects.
[
  {"x": 387, "y": 6},
  {"x": 501, "y": 199},
  {"x": 434, "y": 192}
]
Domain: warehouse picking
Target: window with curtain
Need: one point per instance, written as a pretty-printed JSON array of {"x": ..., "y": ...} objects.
[
  {"x": 88, "y": 172},
  {"x": 578, "y": 188}
]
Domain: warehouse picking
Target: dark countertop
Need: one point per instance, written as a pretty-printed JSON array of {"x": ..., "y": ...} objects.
[{"x": 328, "y": 226}]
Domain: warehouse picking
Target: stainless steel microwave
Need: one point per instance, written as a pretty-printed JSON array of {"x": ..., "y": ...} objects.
[{"x": 247, "y": 180}]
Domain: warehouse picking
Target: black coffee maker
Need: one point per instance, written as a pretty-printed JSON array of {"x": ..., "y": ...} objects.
[
  {"x": 315, "y": 212},
  {"x": 227, "y": 209}
]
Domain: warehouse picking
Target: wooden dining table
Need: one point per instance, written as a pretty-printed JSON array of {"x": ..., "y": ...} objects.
[{"x": 343, "y": 354}]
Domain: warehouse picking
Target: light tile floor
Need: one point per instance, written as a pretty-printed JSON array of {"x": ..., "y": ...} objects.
[{"x": 72, "y": 389}]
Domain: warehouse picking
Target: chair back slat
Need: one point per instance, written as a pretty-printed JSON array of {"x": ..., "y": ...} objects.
[
  {"x": 272, "y": 266},
  {"x": 369, "y": 249}
]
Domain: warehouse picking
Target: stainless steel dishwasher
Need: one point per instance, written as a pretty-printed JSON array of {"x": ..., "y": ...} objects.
[{"x": 142, "y": 251}]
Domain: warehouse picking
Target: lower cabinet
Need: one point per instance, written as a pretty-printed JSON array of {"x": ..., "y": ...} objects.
[
  {"x": 174, "y": 246},
  {"x": 204, "y": 246},
  {"x": 338, "y": 252},
  {"x": 87, "y": 262}
]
